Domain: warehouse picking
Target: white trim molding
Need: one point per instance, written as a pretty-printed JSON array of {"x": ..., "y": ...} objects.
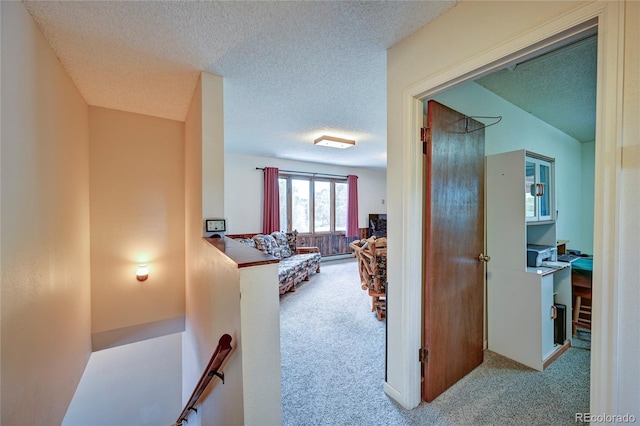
[
  {"x": 607, "y": 215},
  {"x": 608, "y": 19}
]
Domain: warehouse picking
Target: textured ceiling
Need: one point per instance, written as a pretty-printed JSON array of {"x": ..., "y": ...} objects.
[
  {"x": 292, "y": 70},
  {"x": 558, "y": 87}
]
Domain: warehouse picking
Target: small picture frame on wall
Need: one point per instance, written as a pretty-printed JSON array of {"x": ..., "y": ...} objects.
[{"x": 215, "y": 225}]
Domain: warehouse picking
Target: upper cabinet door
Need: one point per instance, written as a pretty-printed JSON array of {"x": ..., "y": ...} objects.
[
  {"x": 530, "y": 191},
  {"x": 546, "y": 190},
  {"x": 538, "y": 190}
]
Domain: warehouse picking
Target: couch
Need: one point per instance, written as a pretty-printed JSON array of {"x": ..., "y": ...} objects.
[{"x": 296, "y": 263}]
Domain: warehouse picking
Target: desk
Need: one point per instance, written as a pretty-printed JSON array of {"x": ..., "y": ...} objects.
[{"x": 583, "y": 267}]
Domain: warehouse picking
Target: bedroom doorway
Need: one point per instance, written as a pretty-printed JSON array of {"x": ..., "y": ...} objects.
[
  {"x": 575, "y": 151},
  {"x": 606, "y": 177}
]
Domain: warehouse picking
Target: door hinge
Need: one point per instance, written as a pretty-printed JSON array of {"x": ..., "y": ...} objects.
[
  {"x": 423, "y": 355},
  {"x": 423, "y": 134},
  {"x": 423, "y": 138}
]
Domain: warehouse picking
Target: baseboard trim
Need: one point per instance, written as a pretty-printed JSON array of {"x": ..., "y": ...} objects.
[
  {"x": 394, "y": 394},
  {"x": 331, "y": 257}
]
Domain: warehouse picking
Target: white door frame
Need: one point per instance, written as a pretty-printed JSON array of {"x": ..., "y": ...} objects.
[{"x": 609, "y": 19}]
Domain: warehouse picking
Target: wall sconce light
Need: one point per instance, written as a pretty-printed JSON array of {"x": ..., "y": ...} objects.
[
  {"x": 334, "y": 142},
  {"x": 142, "y": 273}
]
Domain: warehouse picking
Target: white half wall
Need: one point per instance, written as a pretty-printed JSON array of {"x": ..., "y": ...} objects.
[{"x": 244, "y": 189}]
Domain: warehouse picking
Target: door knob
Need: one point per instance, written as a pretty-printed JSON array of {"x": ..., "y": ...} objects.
[{"x": 483, "y": 257}]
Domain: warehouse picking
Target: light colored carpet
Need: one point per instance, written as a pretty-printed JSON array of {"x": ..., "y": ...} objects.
[{"x": 333, "y": 369}]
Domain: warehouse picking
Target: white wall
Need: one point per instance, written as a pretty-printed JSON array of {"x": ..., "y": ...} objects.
[
  {"x": 521, "y": 130},
  {"x": 46, "y": 305},
  {"x": 151, "y": 370},
  {"x": 587, "y": 187},
  {"x": 244, "y": 189},
  {"x": 260, "y": 345}
]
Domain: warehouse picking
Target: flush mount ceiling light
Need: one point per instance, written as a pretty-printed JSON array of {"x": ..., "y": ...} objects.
[{"x": 334, "y": 142}]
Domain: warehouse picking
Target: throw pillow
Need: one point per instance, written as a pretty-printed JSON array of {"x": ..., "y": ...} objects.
[
  {"x": 267, "y": 244},
  {"x": 291, "y": 241},
  {"x": 281, "y": 240}
]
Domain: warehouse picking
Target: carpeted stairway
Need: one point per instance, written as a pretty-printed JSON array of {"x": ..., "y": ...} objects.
[{"x": 333, "y": 351}]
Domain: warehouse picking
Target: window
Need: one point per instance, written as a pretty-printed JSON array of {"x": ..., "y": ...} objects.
[
  {"x": 341, "y": 206},
  {"x": 322, "y": 203},
  {"x": 282, "y": 187},
  {"x": 313, "y": 204},
  {"x": 300, "y": 205}
]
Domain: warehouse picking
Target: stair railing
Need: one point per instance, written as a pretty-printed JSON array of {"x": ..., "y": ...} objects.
[{"x": 217, "y": 359}]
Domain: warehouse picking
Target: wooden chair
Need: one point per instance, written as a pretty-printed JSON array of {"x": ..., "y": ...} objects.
[
  {"x": 581, "y": 288},
  {"x": 371, "y": 255}
]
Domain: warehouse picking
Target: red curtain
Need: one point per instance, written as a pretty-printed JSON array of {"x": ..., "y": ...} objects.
[
  {"x": 271, "y": 211},
  {"x": 352, "y": 207}
]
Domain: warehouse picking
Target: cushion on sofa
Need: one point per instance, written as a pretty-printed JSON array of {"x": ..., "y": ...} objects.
[
  {"x": 268, "y": 245},
  {"x": 281, "y": 240},
  {"x": 295, "y": 264},
  {"x": 289, "y": 268}
]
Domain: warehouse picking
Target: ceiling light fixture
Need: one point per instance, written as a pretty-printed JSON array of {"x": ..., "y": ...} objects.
[{"x": 334, "y": 142}]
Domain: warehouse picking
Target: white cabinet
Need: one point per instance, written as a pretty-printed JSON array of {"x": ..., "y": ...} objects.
[
  {"x": 521, "y": 301},
  {"x": 548, "y": 312},
  {"x": 539, "y": 188},
  {"x": 521, "y": 307}
]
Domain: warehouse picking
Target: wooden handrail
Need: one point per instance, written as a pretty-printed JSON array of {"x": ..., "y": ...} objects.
[{"x": 218, "y": 357}]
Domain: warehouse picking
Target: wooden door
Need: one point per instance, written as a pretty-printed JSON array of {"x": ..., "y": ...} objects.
[{"x": 453, "y": 275}]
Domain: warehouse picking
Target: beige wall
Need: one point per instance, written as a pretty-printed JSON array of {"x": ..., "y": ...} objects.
[
  {"x": 212, "y": 147},
  {"x": 137, "y": 216},
  {"x": 441, "y": 51},
  {"x": 46, "y": 314},
  {"x": 212, "y": 281},
  {"x": 0, "y": 214}
]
